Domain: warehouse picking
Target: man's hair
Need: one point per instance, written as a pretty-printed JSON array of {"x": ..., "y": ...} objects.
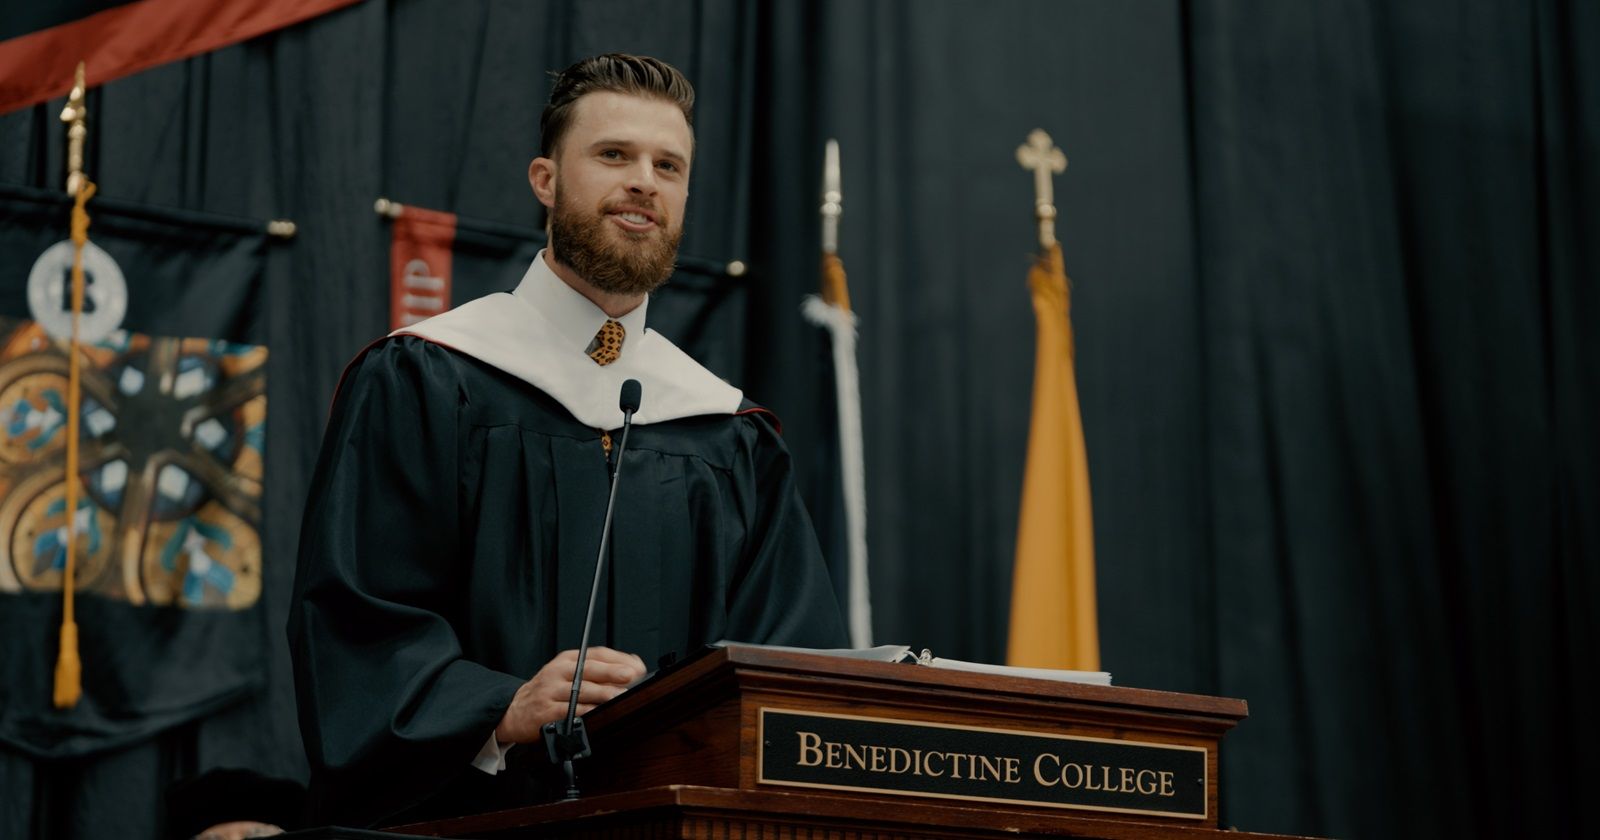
[{"x": 636, "y": 75}]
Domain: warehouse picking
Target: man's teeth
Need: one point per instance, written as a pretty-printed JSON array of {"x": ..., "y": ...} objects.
[{"x": 636, "y": 218}]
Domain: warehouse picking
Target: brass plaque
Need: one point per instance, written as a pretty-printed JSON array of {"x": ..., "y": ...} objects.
[{"x": 922, "y": 758}]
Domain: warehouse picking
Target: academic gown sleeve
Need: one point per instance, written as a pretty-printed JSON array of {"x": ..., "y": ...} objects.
[
  {"x": 390, "y": 711},
  {"x": 782, "y": 594}
]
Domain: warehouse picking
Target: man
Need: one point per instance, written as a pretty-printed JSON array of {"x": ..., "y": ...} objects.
[{"x": 455, "y": 516}]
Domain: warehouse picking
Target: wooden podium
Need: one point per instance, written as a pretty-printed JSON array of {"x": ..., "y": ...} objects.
[{"x": 746, "y": 742}]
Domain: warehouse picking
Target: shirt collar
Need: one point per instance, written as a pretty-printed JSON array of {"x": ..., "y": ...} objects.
[{"x": 573, "y": 315}]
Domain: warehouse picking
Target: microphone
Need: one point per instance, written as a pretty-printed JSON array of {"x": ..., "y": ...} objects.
[
  {"x": 629, "y": 402},
  {"x": 568, "y": 740}
]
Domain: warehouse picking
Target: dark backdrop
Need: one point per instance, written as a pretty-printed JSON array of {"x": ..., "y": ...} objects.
[{"x": 1331, "y": 285}]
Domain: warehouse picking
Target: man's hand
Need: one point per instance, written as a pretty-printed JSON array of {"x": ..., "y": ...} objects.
[
  {"x": 239, "y": 831},
  {"x": 606, "y": 673}
]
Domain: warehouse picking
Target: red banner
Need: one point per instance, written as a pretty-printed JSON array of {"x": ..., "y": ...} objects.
[
  {"x": 419, "y": 265},
  {"x": 126, "y": 39}
]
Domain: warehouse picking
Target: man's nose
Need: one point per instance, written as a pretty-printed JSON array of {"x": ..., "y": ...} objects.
[{"x": 642, "y": 177}]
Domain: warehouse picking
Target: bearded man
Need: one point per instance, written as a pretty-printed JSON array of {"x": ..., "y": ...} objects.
[{"x": 451, "y": 532}]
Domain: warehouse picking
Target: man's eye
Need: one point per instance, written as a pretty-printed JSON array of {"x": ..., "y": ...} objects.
[
  {"x": 668, "y": 166},
  {"x": 611, "y": 154}
]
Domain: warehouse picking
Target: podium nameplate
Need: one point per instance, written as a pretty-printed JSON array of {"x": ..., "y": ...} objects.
[{"x": 922, "y": 758}]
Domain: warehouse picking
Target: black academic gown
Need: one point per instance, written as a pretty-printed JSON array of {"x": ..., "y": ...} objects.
[{"x": 447, "y": 553}]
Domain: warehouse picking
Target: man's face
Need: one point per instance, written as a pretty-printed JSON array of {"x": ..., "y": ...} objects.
[{"x": 617, "y": 190}]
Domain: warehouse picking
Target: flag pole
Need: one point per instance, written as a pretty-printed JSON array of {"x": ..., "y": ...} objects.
[
  {"x": 69, "y": 668},
  {"x": 1054, "y": 621},
  {"x": 831, "y": 311}
]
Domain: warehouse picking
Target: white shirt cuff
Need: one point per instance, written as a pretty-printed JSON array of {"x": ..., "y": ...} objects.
[{"x": 492, "y": 758}]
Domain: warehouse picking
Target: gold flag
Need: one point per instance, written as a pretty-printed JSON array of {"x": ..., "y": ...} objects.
[{"x": 1053, "y": 618}]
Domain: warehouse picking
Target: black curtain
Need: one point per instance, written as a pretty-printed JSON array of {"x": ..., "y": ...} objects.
[
  {"x": 1400, "y": 406},
  {"x": 1331, "y": 281}
]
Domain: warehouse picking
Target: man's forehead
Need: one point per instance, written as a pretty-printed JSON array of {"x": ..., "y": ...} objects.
[{"x": 625, "y": 116}]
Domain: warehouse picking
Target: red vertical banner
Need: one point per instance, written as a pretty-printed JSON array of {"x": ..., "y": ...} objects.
[{"x": 419, "y": 265}]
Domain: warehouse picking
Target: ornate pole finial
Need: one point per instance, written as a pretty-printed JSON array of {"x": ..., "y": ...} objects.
[
  {"x": 832, "y": 198},
  {"x": 75, "y": 115},
  {"x": 1041, "y": 156}
]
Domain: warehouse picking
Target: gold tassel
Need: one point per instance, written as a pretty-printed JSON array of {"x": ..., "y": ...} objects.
[{"x": 69, "y": 669}]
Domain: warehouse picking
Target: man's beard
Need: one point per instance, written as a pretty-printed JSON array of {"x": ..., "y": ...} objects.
[{"x": 634, "y": 267}]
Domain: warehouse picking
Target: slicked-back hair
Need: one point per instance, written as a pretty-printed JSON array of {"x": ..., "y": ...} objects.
[{"x": 635, "y": 75}]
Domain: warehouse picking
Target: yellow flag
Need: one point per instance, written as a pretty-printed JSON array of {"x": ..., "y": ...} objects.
[{"x": 1053, "y": 622}]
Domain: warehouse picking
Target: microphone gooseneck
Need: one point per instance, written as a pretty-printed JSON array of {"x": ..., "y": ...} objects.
[{"x": 568, "y": 740}]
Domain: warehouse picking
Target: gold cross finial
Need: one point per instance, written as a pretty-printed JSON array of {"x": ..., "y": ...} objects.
[
  {"x": 1040, "y": 155},
  {"x": 74, "y": 115}
]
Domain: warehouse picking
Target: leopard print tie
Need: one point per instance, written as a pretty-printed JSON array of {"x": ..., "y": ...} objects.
[{"x": 607, "y": 344}]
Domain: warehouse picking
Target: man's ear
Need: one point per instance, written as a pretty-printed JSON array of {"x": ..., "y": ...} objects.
[{"x": 542, "y": 177}]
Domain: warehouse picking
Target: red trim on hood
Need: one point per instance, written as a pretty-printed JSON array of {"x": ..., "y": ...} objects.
[{"x": 776, "y": 423}]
